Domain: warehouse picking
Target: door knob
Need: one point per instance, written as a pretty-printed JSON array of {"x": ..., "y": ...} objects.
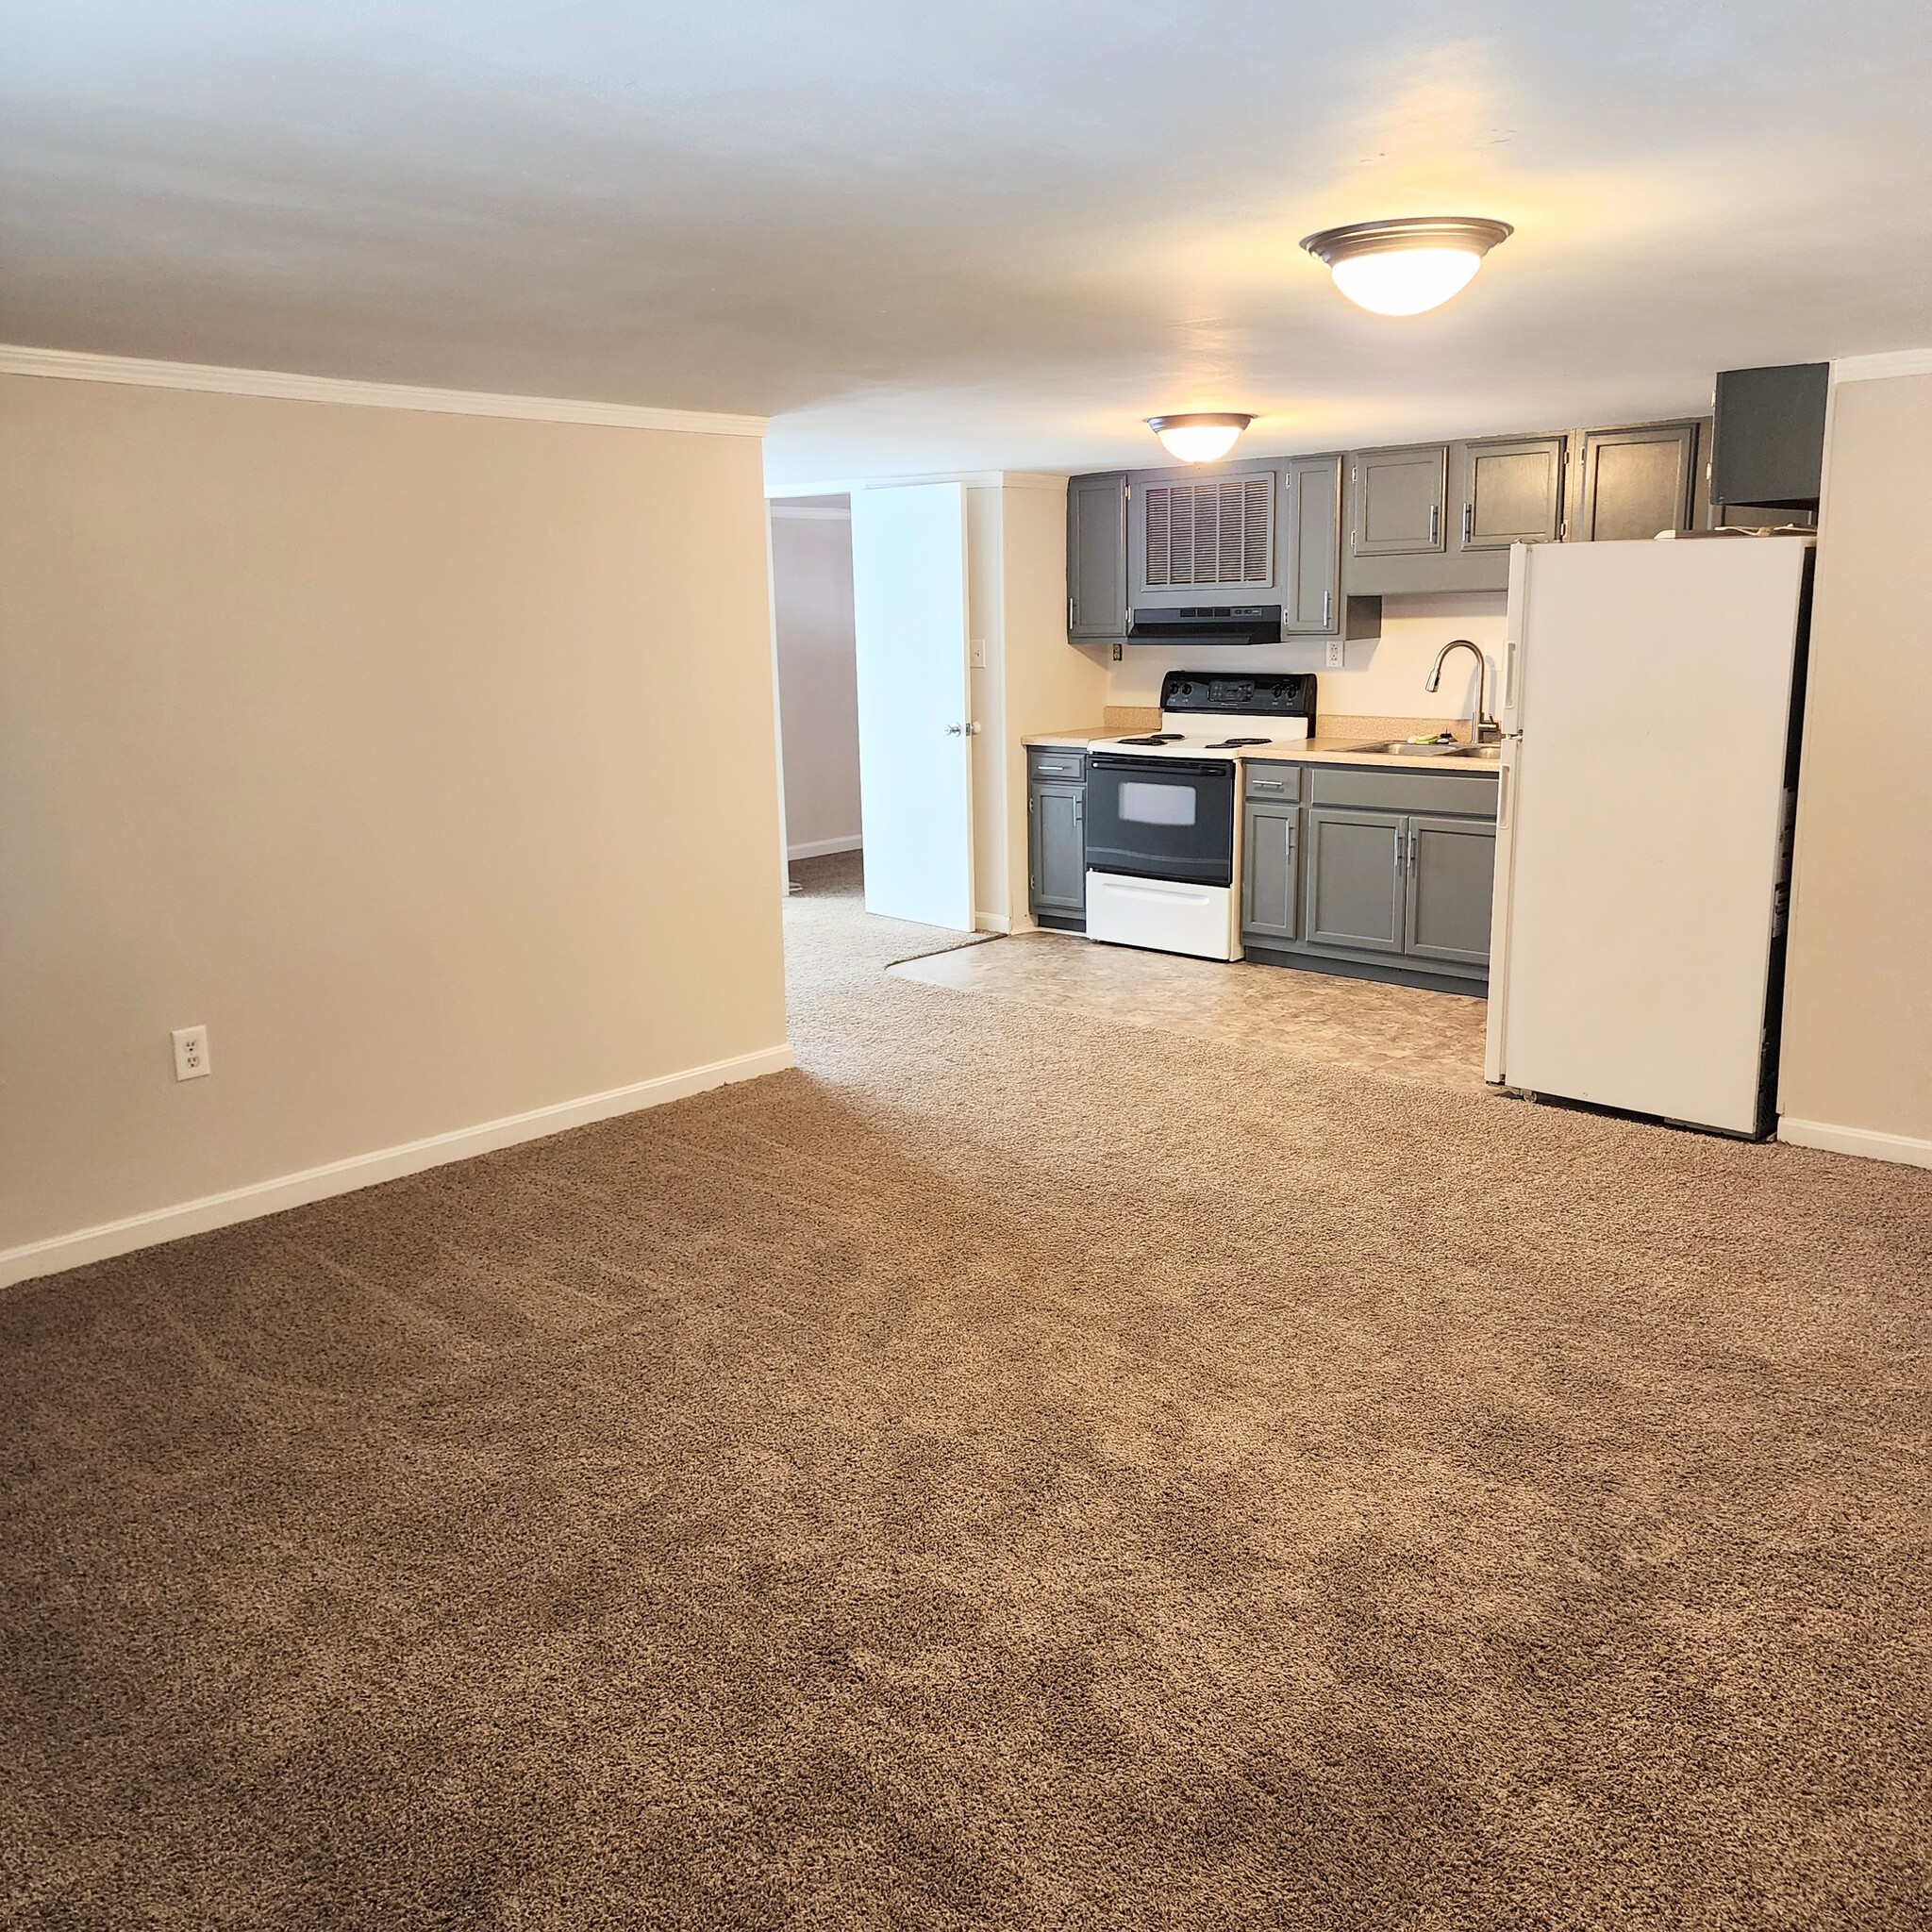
[{"x": 956, "y": 731}]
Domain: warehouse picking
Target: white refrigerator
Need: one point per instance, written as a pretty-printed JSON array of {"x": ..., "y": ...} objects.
[{"x": 1643, "y": 825}]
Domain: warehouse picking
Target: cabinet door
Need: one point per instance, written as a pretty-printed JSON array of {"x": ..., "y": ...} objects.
[
  {"x": 1057, "y": 847},
  {"x": 1269, "y": 871},
  {"x": 1636, "y": 482},
  {"x": 1452, "y": 866},
  {"x": 1512, "y": 491},
  {"x": 1097, "y": 557},
  {"x": 1399, "y": 498},
  {"x": 1356, "y": 879},
  {"x": 1313, "y": 541}
]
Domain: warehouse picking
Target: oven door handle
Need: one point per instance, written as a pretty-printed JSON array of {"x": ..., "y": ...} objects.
[{"x": 1175, "y": 768}]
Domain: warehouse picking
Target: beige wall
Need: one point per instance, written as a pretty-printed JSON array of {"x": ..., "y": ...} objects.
[
  {"x": 1858, "y": 1040},
  {"x": 363, "y": 736},
  {"x": 1382, "y": 676},
  {"x": 818, "y": 677},
  {"x": 1050, "y": 685}
]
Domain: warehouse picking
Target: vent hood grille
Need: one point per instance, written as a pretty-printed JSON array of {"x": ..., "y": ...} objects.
[{"x": 1210, "y": 533}]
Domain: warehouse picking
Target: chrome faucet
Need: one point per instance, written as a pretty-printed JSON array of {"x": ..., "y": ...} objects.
[{"x": 1480, "y": 722}]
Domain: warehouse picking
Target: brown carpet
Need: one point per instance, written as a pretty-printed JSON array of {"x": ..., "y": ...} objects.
[{"x": 1017, "y": 1471}]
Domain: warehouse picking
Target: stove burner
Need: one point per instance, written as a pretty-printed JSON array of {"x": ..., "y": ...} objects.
[
  {"x": 1235, "y": 743},
  {"x": 1159, "y": 738}
]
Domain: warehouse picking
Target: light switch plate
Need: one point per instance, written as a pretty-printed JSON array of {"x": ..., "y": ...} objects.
[{"x": 976, "y": 653}]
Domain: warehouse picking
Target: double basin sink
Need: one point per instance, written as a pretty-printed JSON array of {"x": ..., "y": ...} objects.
[{"x": 1400, "y": 747}]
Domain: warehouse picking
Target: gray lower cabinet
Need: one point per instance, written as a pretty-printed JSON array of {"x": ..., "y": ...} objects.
[
  {"x": 1270, "y": 869},
  {"x": 1097, "y": 557},
  {"x": 1355, "y": 870},
  {"x": 1311, "y": 518},
  {"x": 1057, "y": 847},
  {"x": 1452, "y": 871},
  {"x": 1370, "y": 869}
]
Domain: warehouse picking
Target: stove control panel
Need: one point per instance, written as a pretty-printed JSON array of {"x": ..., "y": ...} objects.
[{"x": 1276, "y": 694}]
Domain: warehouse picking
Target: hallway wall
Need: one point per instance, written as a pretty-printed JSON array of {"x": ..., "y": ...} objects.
[{"x": 818, "y": 692}]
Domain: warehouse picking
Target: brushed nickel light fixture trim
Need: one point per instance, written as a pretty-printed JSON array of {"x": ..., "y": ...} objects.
[
  {"x": 1200, "y": 436},
  {"x": 1406, "y": 266}
]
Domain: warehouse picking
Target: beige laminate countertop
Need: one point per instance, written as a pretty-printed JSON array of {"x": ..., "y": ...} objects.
[{"x": 1313, "y": 751}]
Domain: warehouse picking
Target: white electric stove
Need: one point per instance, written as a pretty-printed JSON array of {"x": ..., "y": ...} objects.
[{"x": 1162, "y": 818}]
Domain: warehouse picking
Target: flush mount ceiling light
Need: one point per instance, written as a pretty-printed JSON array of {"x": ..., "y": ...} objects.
[
  {"x": 1199, "y": 437},
  {"x": 1404, "y": 267}
]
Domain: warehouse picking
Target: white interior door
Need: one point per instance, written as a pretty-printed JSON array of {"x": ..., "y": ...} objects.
[{"x": 915, "y": 774}]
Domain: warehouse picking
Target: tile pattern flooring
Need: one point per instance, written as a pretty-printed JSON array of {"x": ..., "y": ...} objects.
[{"x": 1402, "y": 1032}]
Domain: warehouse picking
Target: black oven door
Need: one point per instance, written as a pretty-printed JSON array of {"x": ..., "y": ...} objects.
[{"x": 1161, "y": 818}]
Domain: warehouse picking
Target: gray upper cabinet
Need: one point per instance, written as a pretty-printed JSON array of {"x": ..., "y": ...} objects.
[
  {"x": 1452, "y": 866},
  {"x": 1355, "y": 868},
  {"x": 1633, "y": 483},
  {"x": 1097, "y": 557},
  {"x": 1398, "y": 501},
  {"x": 1512, "y": 491},
  {"x": 1768, "y": 436},
  {"x": 1311, "y": 526},
  {"x": 1057, "y": 847},
  {"x": 1269, "y": 870}
]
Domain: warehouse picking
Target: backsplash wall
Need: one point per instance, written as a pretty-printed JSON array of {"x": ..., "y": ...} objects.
[{"x": 1384, "y": 676}]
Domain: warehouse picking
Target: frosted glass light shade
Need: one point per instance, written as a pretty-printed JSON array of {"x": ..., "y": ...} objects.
[
  {"x": 1199, "y": 437},
  {"x": 1406, "y": 281},
  {"x": 1407, "y": 267}
]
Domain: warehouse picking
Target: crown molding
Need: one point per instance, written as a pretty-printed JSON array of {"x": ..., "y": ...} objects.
[
  {"x": 77, "y": 365},
  {"x": 974, "y": 479},
  {"x": 1875, "y": 368}
]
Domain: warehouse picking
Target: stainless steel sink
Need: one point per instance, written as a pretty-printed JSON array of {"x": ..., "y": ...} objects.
[{"x": 1401, "y": 749}]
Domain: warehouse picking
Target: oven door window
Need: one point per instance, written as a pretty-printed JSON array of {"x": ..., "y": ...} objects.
[
  {"x": 1144, "y": 803},
  {"x": 1161, "y": 818}
]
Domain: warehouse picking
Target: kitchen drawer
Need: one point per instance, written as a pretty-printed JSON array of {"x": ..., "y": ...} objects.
[
  {"x": 1269, "y": 780},
  {"x": 1044, "y": 761},
  {"x": 1380, "y": 788}
]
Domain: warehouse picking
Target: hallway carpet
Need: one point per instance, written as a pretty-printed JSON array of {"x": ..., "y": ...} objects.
[{"x": 1015, "y": 1471}]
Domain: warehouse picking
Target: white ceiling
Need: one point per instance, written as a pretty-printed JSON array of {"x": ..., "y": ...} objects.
[{"x": 988, "y": 236}]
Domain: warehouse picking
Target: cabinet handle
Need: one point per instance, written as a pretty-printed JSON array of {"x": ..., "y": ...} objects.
[
  {"x": 1070, "y": 613},
  {"x": 1327, "y": 609},
  {"x": 1468, "y": 524},
  {"x": 1435, "y": 525},
  {"x": 1412, "y": 851}
]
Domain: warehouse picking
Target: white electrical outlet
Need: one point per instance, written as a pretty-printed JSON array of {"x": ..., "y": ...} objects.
[
  {"x": 190, "y": 1053},
  {"x": 1336, "y": 659}
]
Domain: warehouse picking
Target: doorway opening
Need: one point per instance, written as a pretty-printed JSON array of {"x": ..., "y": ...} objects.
[{"x": 817, "y": 687}]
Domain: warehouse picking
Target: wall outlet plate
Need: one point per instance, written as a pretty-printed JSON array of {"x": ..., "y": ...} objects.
[
  {"x": 190, "y": 1053},
  {"x": 1336, "y": 659}
]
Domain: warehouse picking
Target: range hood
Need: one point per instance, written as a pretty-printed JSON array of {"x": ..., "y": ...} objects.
[{"x": 1206, "y": 624}]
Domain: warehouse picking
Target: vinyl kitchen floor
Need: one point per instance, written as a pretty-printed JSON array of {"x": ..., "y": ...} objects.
[{"x": 1401, "y": 1032}]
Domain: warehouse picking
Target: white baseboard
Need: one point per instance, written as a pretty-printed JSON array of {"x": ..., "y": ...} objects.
[
  {"x": 817, "y": 848},
  {"x": 61, "y": 1252},
  {"x": 1865, "y": 1141},
  {"x": 991, "y": 922}
]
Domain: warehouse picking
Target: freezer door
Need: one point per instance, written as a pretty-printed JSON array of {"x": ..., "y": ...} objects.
[{"x": 1639, "y": 852}]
